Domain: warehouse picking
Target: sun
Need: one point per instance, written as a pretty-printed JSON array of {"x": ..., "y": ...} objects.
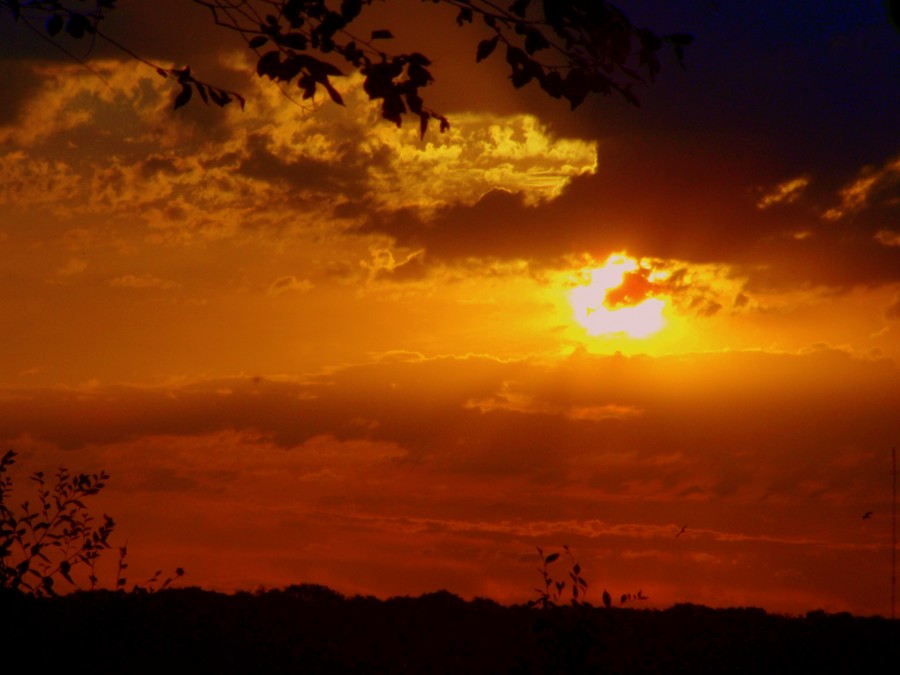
[{"x": 619, "y": 298}]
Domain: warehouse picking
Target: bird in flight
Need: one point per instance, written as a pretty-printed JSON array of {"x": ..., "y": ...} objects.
[
  {"x": 867, "y": 515},
  {"x": 681, "y": 531}
]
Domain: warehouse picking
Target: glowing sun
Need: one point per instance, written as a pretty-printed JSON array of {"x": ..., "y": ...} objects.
[{"x": 617, "y": 298}]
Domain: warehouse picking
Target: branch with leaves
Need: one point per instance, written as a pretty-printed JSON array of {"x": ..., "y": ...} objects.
[
  {"x": 552, "y": 593},
  {"x": 570, "y": 48},
  {"x": 82, "y": 20},
  {"x": 285, "y": 35},
  {"x": 56, "y": 536},
  {"x": 49, "y": 539}
]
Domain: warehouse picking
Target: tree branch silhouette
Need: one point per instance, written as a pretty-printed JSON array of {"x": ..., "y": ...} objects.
[
  {"x": 571, "y": 49},
  {"x": 56, "y": 536}
]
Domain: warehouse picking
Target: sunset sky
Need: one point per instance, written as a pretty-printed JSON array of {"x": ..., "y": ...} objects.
[{"x": 310, "y": 347}]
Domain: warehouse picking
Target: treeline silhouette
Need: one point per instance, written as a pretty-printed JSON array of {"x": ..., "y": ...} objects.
[{"x": 313, "y": 629}]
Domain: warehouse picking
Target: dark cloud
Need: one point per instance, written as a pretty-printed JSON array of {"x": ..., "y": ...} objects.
[
  {"x": 702, "y": 220},
  {"x": 633, "y": 290},
  {"x": 158, "y": 164},
  {"x": 892, "y": 311},
  {"x": 342, "y": 173},
  {"x": 169, "y": 30},
  {"x": 720, "y": 413},
  {"x": 18, "y": 83},
  {"x": 345, "y": 477},
  {"x": 771, "y": 92}
]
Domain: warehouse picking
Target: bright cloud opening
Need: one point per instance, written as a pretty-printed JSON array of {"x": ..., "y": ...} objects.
[{"x": 617, "y": 299}]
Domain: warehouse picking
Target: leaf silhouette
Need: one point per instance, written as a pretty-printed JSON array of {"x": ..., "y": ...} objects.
[
  {"x": 486, "y": 48},
  {"x": 55, "y": 24},
  {"x": 183, "y": 97}
]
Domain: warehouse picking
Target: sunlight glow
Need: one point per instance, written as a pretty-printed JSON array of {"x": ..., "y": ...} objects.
[{"x": 616, "y": 299}]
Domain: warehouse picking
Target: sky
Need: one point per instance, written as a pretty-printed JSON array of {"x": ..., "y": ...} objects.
[{"x": 309, "y": 346}]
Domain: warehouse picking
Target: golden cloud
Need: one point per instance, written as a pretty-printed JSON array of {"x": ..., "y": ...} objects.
[
  {"x": 479, "y": 153},
  {"x": 141, "y": 281},
  {"x": 784, "y": 193},
  {"x": 112, "y": 147},
  {"x": 860, "y": 192},
  {"x": 81, "y": 112},
  {"x": 507, "y": 398},
  {"x": 27, "y": 182},
  {"x": 72, "y": 267},
  {"x": 693, "y": 288},
  {"x": 892, "y": 311},
  {"x": 396, "y": 169},
  {"x": 888, "y": 237},
  {"x": 288, "y": 283}
]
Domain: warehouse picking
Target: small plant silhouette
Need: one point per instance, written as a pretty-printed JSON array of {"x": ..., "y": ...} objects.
[
  {"x": 632, "y": 597},
  {"x": 148, "y": 586},
  {"x": 48, "y": 541},
  {"x": 554, "y": 590}
]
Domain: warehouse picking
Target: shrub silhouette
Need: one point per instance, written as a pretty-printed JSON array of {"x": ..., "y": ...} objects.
[
  {"x": 56, "y": 536},
  {"x": 554, "y": 589},
  {"x": 49, "y": 540}
]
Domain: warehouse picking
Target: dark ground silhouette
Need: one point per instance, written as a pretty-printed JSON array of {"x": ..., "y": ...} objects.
[{"x": 312, "y": 629}]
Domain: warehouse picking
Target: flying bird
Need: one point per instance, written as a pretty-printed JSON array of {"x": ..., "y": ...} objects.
[
  {"x": 681, "y": 531},
  {"x": 867, "y": 515}
]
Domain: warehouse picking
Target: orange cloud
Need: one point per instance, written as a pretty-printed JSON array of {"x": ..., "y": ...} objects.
[
  {"x": 784, "y": 193},
  {"x": 200, "y": 175},
  {"x": 325, "y": 477},
  {"x": 888, "y": 237},
  {"x": 858, "y": 194},
  {"x": 141, "y": 281},
  {"x": 288, "y": 283}
]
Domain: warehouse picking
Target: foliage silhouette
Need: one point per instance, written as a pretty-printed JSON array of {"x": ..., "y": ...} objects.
[
  {"x": 50, "y": 540},
  {"x": 551, "y": 595},
  {"x": 554, "y": 589},
  {"x": 147, "y": 586},
  {"x": 311, "y": 630},
  {"x": 632, "y": 597},
  {"x": 57, "y": 537},
  {"x": 570, "y": 48}
]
